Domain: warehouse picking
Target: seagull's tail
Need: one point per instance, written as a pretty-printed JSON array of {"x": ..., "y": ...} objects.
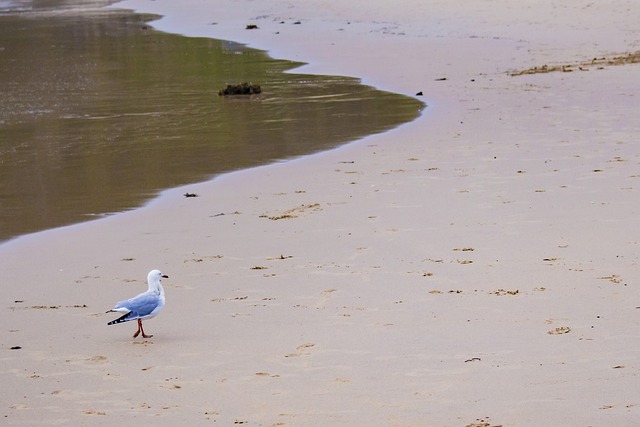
[{"x": 124, "y": 318}]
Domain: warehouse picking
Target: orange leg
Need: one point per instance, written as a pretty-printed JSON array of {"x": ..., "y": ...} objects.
[{"x": 141, "y": 330}]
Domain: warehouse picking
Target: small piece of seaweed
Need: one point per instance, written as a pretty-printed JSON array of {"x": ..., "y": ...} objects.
[{"x": 241, "y": 89}]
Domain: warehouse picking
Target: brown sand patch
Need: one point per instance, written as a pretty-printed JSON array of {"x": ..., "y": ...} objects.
[{"x": 560, "y": 330}]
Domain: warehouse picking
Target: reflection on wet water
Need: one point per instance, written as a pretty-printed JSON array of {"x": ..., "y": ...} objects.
[{"x": 99, "y": 112}]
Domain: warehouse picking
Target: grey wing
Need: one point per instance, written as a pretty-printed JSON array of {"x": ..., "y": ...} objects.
[{"x": 140, "y": 306}]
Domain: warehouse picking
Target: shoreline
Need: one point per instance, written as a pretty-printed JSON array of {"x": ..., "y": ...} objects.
[
  {"x": 471, "y": 268},
  {"x": 187, "y": 139}
]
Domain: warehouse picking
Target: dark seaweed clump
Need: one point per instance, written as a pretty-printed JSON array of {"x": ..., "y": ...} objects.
[{"x": 240, "y": 89}]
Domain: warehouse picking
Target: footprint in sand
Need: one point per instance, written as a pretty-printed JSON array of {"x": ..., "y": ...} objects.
[
  {"x": 93, "y": 412},
  {"x": 483, "y": 422},
  {"x": 300, "y": 350},
  {"x": 267, "y": 374},
  {"x": 294, "y": 212}
]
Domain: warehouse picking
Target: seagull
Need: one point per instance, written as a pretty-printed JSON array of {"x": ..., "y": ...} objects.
[{"x": 144, "y": 306}]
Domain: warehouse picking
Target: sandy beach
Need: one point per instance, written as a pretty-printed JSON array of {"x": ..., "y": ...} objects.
[{"x": 476, "y": 267}]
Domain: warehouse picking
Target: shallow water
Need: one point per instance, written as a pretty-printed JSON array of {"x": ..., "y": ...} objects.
[{"x": 99, "y": 112}]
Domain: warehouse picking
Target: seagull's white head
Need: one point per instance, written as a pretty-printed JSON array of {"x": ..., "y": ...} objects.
[{"x": 154, "y": 277}]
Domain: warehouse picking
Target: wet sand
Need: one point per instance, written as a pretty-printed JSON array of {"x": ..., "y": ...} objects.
[
  {"x": 100, "y": 112},
  {"x": 472, "y": 268}
]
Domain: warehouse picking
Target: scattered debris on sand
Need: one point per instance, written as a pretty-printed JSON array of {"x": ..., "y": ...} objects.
[{"x": 600, "y": 63}]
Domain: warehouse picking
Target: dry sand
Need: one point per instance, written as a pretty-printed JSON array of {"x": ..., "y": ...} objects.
[{"x": 475, "y": 267}]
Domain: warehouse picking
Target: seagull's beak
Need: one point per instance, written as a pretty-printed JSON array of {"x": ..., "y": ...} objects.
[{"x": 165, "y": 276}]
